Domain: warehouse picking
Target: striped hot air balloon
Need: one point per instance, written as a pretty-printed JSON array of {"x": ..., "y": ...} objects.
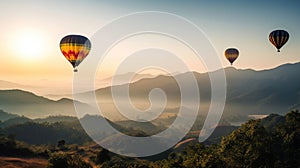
[
  {"x": 278, "y": 38},
  {"x": 231, "y": 54},
  {"x": 75, "y": 48}
]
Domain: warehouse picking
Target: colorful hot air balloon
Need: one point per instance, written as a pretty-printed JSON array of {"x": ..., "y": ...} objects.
[
  {"x": 231, "y": 54},
  {"x": 278, "y": 38},
  {"x": 75, "y": 48}
]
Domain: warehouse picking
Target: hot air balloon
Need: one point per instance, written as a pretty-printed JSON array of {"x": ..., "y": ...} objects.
[
  {"x": 231, "y": 54},
  {"x": 75, "y": 48},
  {"x": 278, "y": 38}
]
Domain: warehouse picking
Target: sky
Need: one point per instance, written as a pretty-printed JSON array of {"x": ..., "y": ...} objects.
[{"x": 31, "y": 30}]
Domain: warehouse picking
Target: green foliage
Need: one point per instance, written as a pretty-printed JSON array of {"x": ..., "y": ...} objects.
[
  {"x": 10, "y": 147},
  {"x": 61, "y": 144},
  {"x": 49, "y": 133},
  {"x": 125, "y": 162},
  {"x": 270, "y": 142},
  {"x": 252, "y": 145},
  {"x": 288, "y": 141},
  {"x": 102, "y": 156},
  {"x": 64, "y": 160},
  {"x": 14, "y": 121}
]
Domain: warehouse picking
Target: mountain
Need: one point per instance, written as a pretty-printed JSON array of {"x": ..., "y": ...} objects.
[
  {"x": 57, "y": 90},
  {"x": 6, "y": 116},
  {"x": 95, "y": 126},
  {"x": 45, "y": 133},
  {"x": 54, "y": 119},
  {"x": 52, "y": 129},
  {"x": 14, "y": 121},
  {"x": 249, "y": 92},
  {"x": 33, "y": 106},
  {"x": 220, "y": 132},
  {"x": 264, "y": 92},
  {"x": 147, "y": 127},
  {"x": 272, "y": 121},
  {"x": 17, "y": 120},
  {"x": 122, "y": 79}
]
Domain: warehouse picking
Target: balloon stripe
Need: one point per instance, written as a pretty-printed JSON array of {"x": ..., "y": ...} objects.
[
  {"x": 74, "y": 44},
  {"x": 75, "y": 48},
  {"x": 282, "y": 36},
  {"x": 278, "y": 38},
  {"x": 231, "y": 54}
]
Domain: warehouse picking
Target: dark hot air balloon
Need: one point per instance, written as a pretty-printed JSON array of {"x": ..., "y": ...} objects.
[
  {"x": 75, "y": 48},
  {"x": 231, "y": 54},
  {"x": 278, "y": 38}
]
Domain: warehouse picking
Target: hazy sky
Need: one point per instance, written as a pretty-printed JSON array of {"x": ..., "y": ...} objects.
[{"x": 242, "y": 24}]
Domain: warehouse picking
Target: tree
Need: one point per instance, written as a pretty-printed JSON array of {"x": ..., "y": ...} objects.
[
  {"x": 64, "y": 160},
  {"x": 249, "y": 146},
  {"x": 61, "y": 144},
  {"x": 102, "y": 156},
  {"x": 287, "y": 138}
]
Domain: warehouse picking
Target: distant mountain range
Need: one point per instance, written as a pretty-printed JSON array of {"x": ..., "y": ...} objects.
[
  {"x": 122, "y": 79},
  {"x": 263, "y": 92},
  {"x": 249, "y": 92},
  {"x": 57, "y": 89},
  {"x": 6, "y": 116},
  {"x": 54, "y": 128},
  {"x": 34, "y": 106}
]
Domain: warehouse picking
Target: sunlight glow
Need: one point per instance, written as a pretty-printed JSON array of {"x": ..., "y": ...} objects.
[{"x": 29, "y": 45}]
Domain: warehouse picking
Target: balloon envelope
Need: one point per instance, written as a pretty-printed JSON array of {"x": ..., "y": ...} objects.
[
  {"x": 278, "y": 38},
  {"x": 75, "y": 48},
  {"x": 231, "y": 54}
]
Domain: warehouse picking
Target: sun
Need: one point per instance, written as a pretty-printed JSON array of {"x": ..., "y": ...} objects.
[{"x": 29, "y": 44}]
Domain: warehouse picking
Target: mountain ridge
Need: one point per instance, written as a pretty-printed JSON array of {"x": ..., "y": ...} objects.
[
  {"x": 248, "y": 92},
  {"x": 33, "y": 106}
]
